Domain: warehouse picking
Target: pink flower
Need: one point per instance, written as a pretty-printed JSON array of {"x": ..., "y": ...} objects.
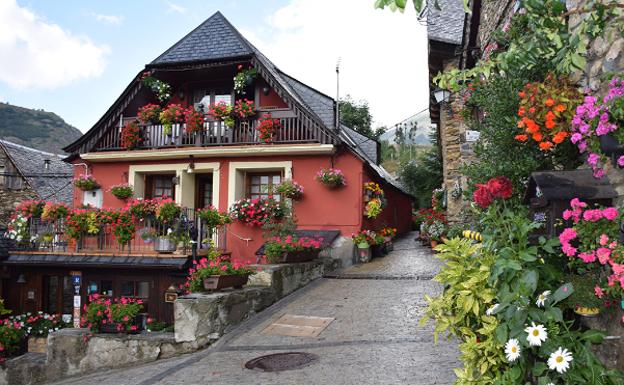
[
  {"x": 568, "y": 250},
  {"x": 587, "y": 257},
  {"x": 603, "y": 255},
  {"x": 610, "y": 213},
  {"x": 604, "y": 239},
  {"x": 567, "y": 235},
  {"x": 577, "y": 204},
  {"x": 618, "y": 269},
  {"x": 598, "y": 291}
]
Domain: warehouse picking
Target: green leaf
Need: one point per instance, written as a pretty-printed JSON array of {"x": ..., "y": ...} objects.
[
  {"x": 554, "y": 313},
  {"x": 562, "y": 293},
  {"x": 530, "y": 280},
  {"x": 539, "y": 369},
  {"x": 593, "y": 336},
  {"x": 501, "y": 334}
]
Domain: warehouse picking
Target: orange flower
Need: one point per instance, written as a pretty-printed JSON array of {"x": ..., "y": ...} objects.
[
  {"x": 550, "y": 124},
  {"x": 560, "y": 137},
  {"x": 522, "y": 94},
  {"x": 521, "y": 111},
  {"x": 549, "y": 102},
  {"x": 545, "y": 146},
  {"x": 550, "y": 116},
  {"x": 522, "y": 138},
  {"x": 537, "y": 137},
  {"x": 560, "y": 108}
]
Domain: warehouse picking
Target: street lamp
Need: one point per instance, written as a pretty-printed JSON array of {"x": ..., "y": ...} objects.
[{"x": 441, "y": 95}]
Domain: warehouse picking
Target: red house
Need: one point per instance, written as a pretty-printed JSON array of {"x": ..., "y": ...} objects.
[{"x": 217, "y": 164}]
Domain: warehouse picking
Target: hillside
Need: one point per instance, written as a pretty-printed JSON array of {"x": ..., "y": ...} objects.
[{"x": 38, "y": 129}]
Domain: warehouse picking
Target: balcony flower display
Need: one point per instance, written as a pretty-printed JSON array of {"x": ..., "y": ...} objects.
[
  {"x": 161, "y": 89},
  {"x": 54, "y": 211},
  {"x": 597, "y": 123},
  {"x": 111, "y": 315},
  {"x": 86, "y": 182},
  {"x": 124, "y": 228},
  {"x": 214, "y": 273},
  {"x": 292, "y": 249},
  {"x": 142, "y": 208},
  {"x": 82, "y": 222},
  {"x": 149, "y": 114},
  {"x": 213, "y": 218},
  {"x": 244, "y": 109},
  {"x": 243, "y": 78},
  {"x": 172, "y": 114},
  {"x": 290, "y": 189},
  {"x": 122, "y": 191},
  {"x": 256, "y": 212},
  {"x": 194, "y": 121},
  {"x": 30, "y": 209},
  {"x": 222, "y": 111},
  {"x": 545, "y": 112},
  {"x": 131, "y": 135},
  {"x": 267, "y": 128},
  {"x": 331, "y": 177}
]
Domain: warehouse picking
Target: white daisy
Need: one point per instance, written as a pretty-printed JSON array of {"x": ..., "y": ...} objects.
[
  {"x": 536, "y": 334},
  {"x": 541, "y": 299},
  {"x": 512, "y": 350},
  {"x": 560, "y": 360},
  {"x": 492, "y": 309}
]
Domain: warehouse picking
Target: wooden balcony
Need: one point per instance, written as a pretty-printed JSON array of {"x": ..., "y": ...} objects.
[{"x": 216, "y": 133}]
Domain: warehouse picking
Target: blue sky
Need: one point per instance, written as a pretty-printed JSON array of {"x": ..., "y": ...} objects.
[{"x": 75, "y": 57}]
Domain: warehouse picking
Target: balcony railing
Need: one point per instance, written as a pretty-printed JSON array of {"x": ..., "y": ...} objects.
[
  {"x": 216, "y": 133},
  {"x": 50, "y": 237}
]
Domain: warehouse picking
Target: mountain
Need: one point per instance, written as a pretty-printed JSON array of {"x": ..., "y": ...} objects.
[
  {"x": 38, "y": 129},
  {"x": 415, "y": 129}
]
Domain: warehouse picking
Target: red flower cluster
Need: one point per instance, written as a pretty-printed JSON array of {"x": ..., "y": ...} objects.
[
  {"x": 119, "y": 312},
  {"x": 256, "y": 212},
  {"x": 130, "y": 135},
  {"x": 267, "y": 128},
  {"x": 194, "y": 121},
  {"x": 244, "y": 109},
  {"x": 30, "y": 209},
  {"x": 499, "y": 187},
  {"x": 428, "y": 216},
  {"x": 149, "y": 113}
]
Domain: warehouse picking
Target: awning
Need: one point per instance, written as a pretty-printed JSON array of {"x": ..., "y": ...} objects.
[{"x": 140, "y": 262}]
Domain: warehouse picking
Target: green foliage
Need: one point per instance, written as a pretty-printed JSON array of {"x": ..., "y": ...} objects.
[
  {"x": 422, "y": 175},
  {"x": 10, "y": 339},
  {"x": 399, "y": 5},
  {"x": 356, "y": 115}
]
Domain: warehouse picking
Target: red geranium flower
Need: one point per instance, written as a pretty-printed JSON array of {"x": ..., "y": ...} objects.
[
  {"x": 482, "y": 196},
  {"x": 500, "y": 187}
]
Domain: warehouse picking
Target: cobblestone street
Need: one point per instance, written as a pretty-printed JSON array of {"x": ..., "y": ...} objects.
[{"x": 374, "y": 339}]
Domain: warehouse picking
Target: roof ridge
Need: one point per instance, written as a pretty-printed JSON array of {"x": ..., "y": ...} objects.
[{"x": 6, "y": 142}]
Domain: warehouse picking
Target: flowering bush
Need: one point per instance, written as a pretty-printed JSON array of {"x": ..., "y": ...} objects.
[
  {"x": 53, "y": 211},
  {"x": 81, "y": 222},
  {"x": 160, "y": 88},
  {"x": 86, "y": 182},
  {"x": 30, "y": 209},
  {"x": 244, "y": 109},
  {"x": 194, "y": 121},
  {"x": 212, "y": 217},
  {"x": 331, "y": 177},
  {"x": 594, "y": 120},
  {"x": 267, "y": 127},
  {"x": 39, "y": 324},
  {"x": 243, "y": 78},
  {"x": 256, "y": 212},
  {"x": 545, "y": 111},
  {"x": 122, "y": 191},
  {"x": 499, "y": 187},
  {"x": 365, "y": 238},
  {"x": 167, "y": 210},
  {"x": 172, "y": 114},
  {"x": 11, "y": 337},
  {"x": 207, "y": 267},
  {"x": 290, "y": 189},
  {"x": 119, "y": 313},
  {"x": 149, "y": 113},
  {"x": 276, "y": 247}
]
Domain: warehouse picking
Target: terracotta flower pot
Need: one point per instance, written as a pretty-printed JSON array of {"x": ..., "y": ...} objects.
[{"x": 217, "y": 282}]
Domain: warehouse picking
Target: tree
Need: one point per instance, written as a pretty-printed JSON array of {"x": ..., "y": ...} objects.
[
  {"x": 419, "y": 5},
  {"x": 356, "y": 115},
  {"x": 422, "y": 175}
]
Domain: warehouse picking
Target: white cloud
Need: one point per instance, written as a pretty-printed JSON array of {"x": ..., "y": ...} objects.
[
  {"x": 383, "y": 54},
  {"x": 175, "y": 7},
  {"x": 37, "y": 53},
  {"x": 108, "y": 19}
]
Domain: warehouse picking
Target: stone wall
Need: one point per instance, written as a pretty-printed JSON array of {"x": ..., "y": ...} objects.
[
  {"x": 494, "y": 15},
  {"x": 9, "y": 199}
]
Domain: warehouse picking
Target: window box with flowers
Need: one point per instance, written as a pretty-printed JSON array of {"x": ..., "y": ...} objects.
[
  {"x": 267, "y": 128},
  {"x": 112, "y": 315},
  {"x": 331, "y": 177},
  {"x": 122, "y": 191},
  {"x": 256, "y": 212},
  {"x": 194, "y": 124},
  {"x": 86, "y": 182},
  {"x": 172, "y": 114},
  {"x": 290, "y": 189},
  {"x": 222, "y": 111},
  {"x": 290, "y": 249},
  {"x": 244, "y": 109},
  {"x": 214, "y": 273},
  {"x": 149, "y": 114}
]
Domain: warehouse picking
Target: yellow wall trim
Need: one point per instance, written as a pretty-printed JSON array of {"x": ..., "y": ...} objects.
[
  {"x": 236, "y": 180},
  {"x": 209, "y": 152}
]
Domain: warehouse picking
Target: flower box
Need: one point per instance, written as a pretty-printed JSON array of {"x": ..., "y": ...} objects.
[
  {"x": 300, "y": 256},
  {"x": 164, "y": 245},
  {"x": 37, "y": 344},
  {"x": 217, "y": 282}
]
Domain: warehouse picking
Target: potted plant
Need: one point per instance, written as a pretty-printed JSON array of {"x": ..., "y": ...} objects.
[
  {"x": 372, "y": 190},
  {"x": 172, "y": 114},
  {"x": 112, "y": 315},
  {"x": 243, "y": 78},
  {"x": 167, "y": 211},
  {"x": 388, "y": 233},
  {"x": 149, "y": 114},
  {"x": 222, "y": 111},
  {"x": 244, "y": 109},
  {"x": 290, "y": 189},
  {"x": 291, "y": 249},
  {"x": 194, "y": 124},
  {"x": 212, "y": 218},
  {"x": 363, "y": 241},
  {"x": 331, "y": 177},
  {"x": 122, "y": 191},
  {"x": 373, "y": 208},
  {"x": 214, "y": 273},
  {"x": 54, "y": 211},
  {"x": 161, "y": 89},
  {"x": 256, "y": 212},
  {"x": 583, "y": 299},
  {"x": 86, "y": 182},
  {"x": 435, "y": 230},
  {"x": 267, "y": 128}
]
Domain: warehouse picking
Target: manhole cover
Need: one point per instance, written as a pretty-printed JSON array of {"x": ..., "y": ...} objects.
[{"x": 281, "y": 361}]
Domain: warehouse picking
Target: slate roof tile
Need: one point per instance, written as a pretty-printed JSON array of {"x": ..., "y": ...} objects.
[{"x": 446, "y": 25}]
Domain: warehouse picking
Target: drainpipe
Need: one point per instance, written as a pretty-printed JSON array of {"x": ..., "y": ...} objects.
[{"x": 337, "y": 113}]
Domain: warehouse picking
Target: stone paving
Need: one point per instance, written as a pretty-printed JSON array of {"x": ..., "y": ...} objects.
[{"x": 374, "y": 339}]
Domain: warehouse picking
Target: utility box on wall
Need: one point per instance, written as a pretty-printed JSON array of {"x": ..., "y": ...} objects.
[{"x": 549, "y": 194}]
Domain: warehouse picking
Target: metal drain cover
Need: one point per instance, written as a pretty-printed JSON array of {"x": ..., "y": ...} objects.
[{"x": 281, "y": 361}]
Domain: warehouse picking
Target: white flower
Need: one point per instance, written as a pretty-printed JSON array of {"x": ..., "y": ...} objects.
[
  {"x": 512, "y": 350},
  {"x": 560, "y": 360},
  {"x": 492, "y": 309},
  {"x": 541, "y": 299},
  {"x": 536, "y": 334}
]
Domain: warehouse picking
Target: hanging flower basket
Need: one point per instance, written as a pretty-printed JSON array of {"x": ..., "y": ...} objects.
[
  {"x": 290, "y": 189},
  {"x": 86, "y": 182},
  {"x": 331, "y": 177},
  {"x": 122, "y": 191}
]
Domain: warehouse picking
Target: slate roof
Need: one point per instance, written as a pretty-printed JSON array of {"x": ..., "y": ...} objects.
[
  {"x": 212, "y": 39},
  {"x": 54, "y": 184},
  {"x": 96, "y": 261},
  {"x": 446, "y": 25}
]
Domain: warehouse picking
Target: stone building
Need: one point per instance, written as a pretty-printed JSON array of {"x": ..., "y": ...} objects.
[{"x": 26, "y": 173}]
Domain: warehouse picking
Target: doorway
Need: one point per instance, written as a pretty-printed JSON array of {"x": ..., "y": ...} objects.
[
  {"x": 58, "y": 294},
  {"x": 203, "y": 190}
]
